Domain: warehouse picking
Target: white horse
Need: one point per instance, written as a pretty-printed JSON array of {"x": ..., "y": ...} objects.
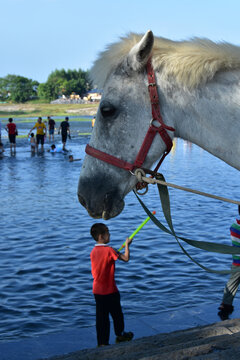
[{"x": 198, "y": 84}]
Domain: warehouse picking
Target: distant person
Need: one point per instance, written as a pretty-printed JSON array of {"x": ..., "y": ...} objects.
[
  {"x": 41, "y": 132},
  {"x": 232, "y": 285},
  {"x": 56, "y": 149},
  {"x": 53, "y": 148},
  {"x": 93, "y": 121},
  {"x": 71, "y": 158},
  {"x": 65, "y": 131},
  {"x": 105, "y": 291},
  {"x": 11, "y": 128},
  {"x": 32, "y": 143},
  {"x": 51, "y": 127},
  {"x": 45, "y": 135}
]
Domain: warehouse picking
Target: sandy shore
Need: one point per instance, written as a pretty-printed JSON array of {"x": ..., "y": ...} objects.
[
  {"x": 219, "y": 341},
  {"x": 53, "y": 109},
  {"x": 16, "y": 107}
]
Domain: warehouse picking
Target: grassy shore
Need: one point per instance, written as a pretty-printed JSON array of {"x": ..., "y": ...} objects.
[{"x": 37, "y": 109}]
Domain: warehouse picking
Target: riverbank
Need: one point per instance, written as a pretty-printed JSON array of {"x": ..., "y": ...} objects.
[
  {"x": 37, "y": 109},
  {"x": 219, "y": 341}
]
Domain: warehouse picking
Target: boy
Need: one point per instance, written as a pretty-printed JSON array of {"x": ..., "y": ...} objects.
[{"x": 105, "y": 291}]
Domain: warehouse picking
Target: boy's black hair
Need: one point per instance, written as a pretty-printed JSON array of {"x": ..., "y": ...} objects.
[
  {"x": 10, "y": 119},
  {"x": 98, "y": 229}
]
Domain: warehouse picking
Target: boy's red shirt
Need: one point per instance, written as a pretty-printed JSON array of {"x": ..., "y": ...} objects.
[{"x": 103, "y": 259}]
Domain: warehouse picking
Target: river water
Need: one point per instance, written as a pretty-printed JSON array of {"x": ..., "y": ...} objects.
[{"x": 46, "y": 283}]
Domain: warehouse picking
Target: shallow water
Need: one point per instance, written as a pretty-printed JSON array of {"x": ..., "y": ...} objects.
[{"x": 45, "y": 243}]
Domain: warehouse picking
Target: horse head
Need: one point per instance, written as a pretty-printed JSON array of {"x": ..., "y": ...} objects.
[
  {"x": 198, "y": 90},
  {"x": 122, "y": 121}
]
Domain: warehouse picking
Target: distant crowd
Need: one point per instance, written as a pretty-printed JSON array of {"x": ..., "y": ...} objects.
[{"x": 42, "y": 129}]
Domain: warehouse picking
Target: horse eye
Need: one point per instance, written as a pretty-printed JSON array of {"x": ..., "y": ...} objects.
[{"x": 107, "y": 109}]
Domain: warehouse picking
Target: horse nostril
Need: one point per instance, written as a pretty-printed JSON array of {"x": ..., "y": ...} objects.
[{"x": 81, "y": 200}]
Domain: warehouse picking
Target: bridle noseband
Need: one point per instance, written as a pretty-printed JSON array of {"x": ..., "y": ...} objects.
[{"x": 150, "y": 135}]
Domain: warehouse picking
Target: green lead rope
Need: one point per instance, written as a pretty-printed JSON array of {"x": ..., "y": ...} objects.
[{"x": 204, "y": 245}]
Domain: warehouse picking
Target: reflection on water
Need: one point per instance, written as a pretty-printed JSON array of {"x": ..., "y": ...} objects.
[{"x": 45, "y": 243}]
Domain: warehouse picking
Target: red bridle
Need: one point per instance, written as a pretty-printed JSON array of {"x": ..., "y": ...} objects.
[{"x": 151, "y": 133}]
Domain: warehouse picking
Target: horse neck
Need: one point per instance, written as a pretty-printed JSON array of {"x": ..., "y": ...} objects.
[{"x": 209, "y": 116}]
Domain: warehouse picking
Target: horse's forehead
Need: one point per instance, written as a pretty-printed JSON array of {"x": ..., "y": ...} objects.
[
  {"x": 116, "y": 79},
  {"x": 120, "y": 82}
]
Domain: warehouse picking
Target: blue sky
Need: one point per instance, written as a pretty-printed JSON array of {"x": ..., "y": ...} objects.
[{"x": 39, "y": 36}]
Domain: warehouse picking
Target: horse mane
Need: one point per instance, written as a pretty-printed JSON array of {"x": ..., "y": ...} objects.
[{"x": 192, "y": 63}]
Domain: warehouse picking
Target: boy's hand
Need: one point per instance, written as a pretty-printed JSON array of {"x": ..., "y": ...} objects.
[{"x": 128, "y": 241}]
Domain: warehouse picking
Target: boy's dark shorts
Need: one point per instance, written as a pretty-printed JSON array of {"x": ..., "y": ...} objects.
[
  {"x": 51, "y": 132},
  {"x": 12, "y": 138},
  {"x": 64, "y": 138},
  {"x": 40, "y": 139}
]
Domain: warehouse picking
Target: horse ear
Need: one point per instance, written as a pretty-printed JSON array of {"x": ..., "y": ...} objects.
[{"x": 140, "y": 53}]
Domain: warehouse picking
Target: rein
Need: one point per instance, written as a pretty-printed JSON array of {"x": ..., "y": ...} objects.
[
  {"x": 203, "y": 245},
  {"x": 149, "y": 137}
]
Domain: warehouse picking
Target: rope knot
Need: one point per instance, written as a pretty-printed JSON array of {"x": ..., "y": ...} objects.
[{"x": 139, "y": 173}]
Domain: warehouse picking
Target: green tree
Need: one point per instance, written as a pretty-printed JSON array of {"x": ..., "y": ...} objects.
[
  {"x": 61, "y": 82},
  {"x": 17, "y": 88},
  {"x": 49, "y": 90}
]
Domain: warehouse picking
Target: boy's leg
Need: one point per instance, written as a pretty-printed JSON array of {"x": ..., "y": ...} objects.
[
  {"x": 102, "y": 319},
  {"x": 118, "y": 319},
  {"x": 116, "y": 313}
]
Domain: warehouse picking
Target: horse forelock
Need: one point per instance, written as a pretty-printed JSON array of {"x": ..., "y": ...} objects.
[
  {"x": 111, "y": 58},
  {"x": 192, "y": 63}
]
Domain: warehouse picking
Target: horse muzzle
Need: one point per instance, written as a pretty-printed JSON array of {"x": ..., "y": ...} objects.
[{"x": 99, "y": 201}]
